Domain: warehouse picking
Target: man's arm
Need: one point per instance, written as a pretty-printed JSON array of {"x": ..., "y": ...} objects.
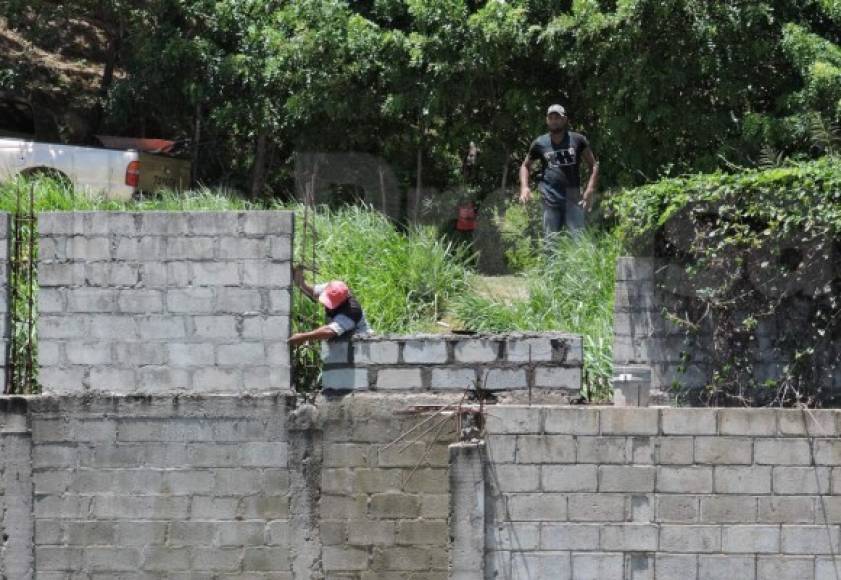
[
  {"x": 525, "y": 174},
  {"x": 321, "y": 333},
  {"x": 590, "y": 193},
  {"x": 298, "y": 278}
]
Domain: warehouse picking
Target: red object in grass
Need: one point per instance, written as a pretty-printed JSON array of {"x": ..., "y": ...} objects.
[{"x": 466, "y": 218}]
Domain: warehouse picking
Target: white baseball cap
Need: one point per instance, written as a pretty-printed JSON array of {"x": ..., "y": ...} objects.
[{"x": 556, "y": 109}]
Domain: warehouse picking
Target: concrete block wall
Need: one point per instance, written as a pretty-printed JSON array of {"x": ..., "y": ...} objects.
[
  {"x": 384, "y": 507},
  {"x": 655, "y": 494},
  {"x": 442, "y": 363},
  {"x": 161, "y": 487},
  {"x": 16, "y": 561},
  {"x": 163, "y": 302}
]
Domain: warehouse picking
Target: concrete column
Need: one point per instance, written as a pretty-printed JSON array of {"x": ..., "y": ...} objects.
[
  {"x": 467, "y": 511},
  {"x": 16, "y": 520}
]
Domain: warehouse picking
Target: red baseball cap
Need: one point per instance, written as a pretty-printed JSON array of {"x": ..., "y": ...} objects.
[{"x": 334, "y": 294}]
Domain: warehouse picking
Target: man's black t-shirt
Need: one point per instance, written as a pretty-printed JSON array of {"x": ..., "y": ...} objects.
[{"x": 560, "y": 163}]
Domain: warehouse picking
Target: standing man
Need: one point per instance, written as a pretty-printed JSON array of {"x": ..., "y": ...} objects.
[
  {"x": 343, "y": 313},
  {"x": 560, "y": 152}
]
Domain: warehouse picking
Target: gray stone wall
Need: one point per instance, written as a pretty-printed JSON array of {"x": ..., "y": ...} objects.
[
  {"x": 618, "y": 494},
  {"x": 509, "y": 362},
  {"x": 161, "y": 302}
]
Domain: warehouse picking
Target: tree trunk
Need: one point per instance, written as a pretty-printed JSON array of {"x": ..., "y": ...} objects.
[
  {"x": 194, "y": 161},
  {"x": 258, "y": 170}
]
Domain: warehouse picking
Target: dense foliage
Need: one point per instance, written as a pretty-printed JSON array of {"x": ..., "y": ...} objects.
[
  {"x": 658, "y": 85},
  {"x": 754, "y": 259}
]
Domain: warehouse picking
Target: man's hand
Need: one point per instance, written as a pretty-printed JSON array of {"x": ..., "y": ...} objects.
[
  {"x": 298, "y": 339},
  {"x": 525, "y": 195},
  {"x": 587, "y": 200}
]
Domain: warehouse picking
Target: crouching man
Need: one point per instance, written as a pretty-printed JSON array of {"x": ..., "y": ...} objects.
[{"x": 342, "y": 311}]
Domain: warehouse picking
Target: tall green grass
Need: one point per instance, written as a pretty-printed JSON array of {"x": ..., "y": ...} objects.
[{"x": 570, "y": 290}]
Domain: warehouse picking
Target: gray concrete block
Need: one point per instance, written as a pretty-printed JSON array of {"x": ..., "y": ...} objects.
[
  {"x": 812, "y": 540},
  {"x": 376, "y": 352},
  {"x": 689, "y": 421},
  {"x": 751, "y": 540},
  {"x": 503, "y": 379},
  {"x": 220, "y": 223},
  {"x": 243, "y": 249},
  {"x": 88, "y": 353},
  {"x": 557, "y": 378},
  {"x": 621, "y": 478},
  {"x": 190, "y": 301},
  {"x": 601, "y": 507},
  {"x": 690, "y": 538},
  {"x": 728, "y": 509},
  {"x": 675, "y": 451},
  {"x": 677, "y": 509},
  {"x": 801, "y": 480},
  {"x": 569, "y": 478},
  {"x": 140, "y": 301},
  {"x": 629, "y": 537},
  {"x": 161, "y": 327},
  {"x": 629, "y": 421},
  {"x": 267, "y": 222},
  {"x": 214, "y": 327},
  {"x": 280, "y": 301},
  {"x": 689, "y": 479},
  {"x": 241, "y": 354},
  {"x": 529, "y": 350},
  {"x": 164, "y": 223},
  {"x": 536, "y": 507},
  {"x": 189, "y": 354},
  {"x": 91, "y": 300},
  {"x": 425, "y": 352},
  {"x": 344, "y": 379},
  {"x": 596, "y": 566},
  {"x": 453, "y": 379},
  {"x": 545, "y": 449},
  {"x": 238, "y": 300},
  {"x": 476, "y": 350},
  {"x": 783, "y": 452},
  {"x": 335, "y": 352},
  {"x": 723, "y": 450},
  {"x": 572, "y": 421},
  {"x": 570, "y": 537},
  {"x": 280, "y": 248},
  {"x": 719, "y": 566},
  {"x": 742, "y": 480},
  {"x": 221, "y": 273},
  {"x": 603, "y": 450},
  {"x": 755, "y": 422},
  {"x": 399, "y": 379},
  {"x": 266, "y": 274},
  {"x": 786, "y": 509}
]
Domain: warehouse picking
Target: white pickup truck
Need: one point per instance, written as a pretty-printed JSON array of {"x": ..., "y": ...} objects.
[{"x": 111, "y": 172}]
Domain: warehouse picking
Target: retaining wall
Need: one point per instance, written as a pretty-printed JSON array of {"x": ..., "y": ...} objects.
[{"x": 662, "y": 493}]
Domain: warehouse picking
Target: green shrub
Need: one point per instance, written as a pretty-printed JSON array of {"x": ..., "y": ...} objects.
[
  {"x": 759, "y": 248},
  {"x": 572, "y": 291}
]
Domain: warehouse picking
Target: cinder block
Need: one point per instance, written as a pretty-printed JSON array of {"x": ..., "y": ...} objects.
[
  {"x": 600, "y": 507},
  {"x": 783, "y": 452},
  {"x": 786, "y": 509},
  {"x": 675, "y": 450},
  {"x": 677, "y": 509},
  {"x": 810, "y": 540},
  {"x": 344, "y": 379},
  {"x": 140, "y": 249},
  {"x": 557, "y": 378},
  {"x": 595, "y": 566},
  {"x": 453, "y": 379},
  {"x": 243, "y": 249},
  {"x": 161, "y": 327},
  {"x": 394, "y": 505},
  {"x": 717, "y": 566},
  {"x": 536, "y": 507},
  {"x": 689, "y": 421},
  {"x": 754, "y": 422},
  {"x": 690, "y": 479},
  {"x": 190, "y": 300},
  {"x": 785, "y": 567},
  {"x": 514, "y": 536},
  {"x": 743, "y": 480},
  {"x": 529, "y": 350},
  {"x": 513, "y": 419},
  {"x": 433, "y": 351},
  {"x": 88, "y": 353},
  {"x": 207, "y": 379},
  {"x": 280, "y": 248},
  {"x": 723, "y": 450},
  {"x": 399, "y": 379},
  {"x": 541, "y": 565},
  {"x": 140, "y": 301},
  {"x": 629, "y": 537},
  {"x": 751, "y": 540},
  {"x": 684, "y": 538},
  {"x": 376, "y": 352},
  {"x": 243, "y": 353},
  {"x": 545, "y": 449},
  {"x": 569, "y": 537},
  {"x": 727, "y": 509},
  {"x": 814, "y": 422},
  {"x": 503, "y": 379},
  {"x": 192, "y": 248},
  {"x": 88, "y": 249},
  {"x": 476, "y": 350},
  {"x": 112, "y": 379},
  {"x": 515, "y": 477},
  {"x": 209, "y": 327},
  {"x": 676, "y": 566},
  {"x": 621, "y": 478},
  {"x": 190, "y": 354},
  {"x": 266, "y": 274},
  {"x": 267, "y": 222},
  {"x": 238, "y": 300},
  {"x": 801, "y": 480},
  {"x": 628, "y": 421},
  {"x": 224, "y": 273},
  {"x": 213, "y": 222},
  {"x": 164, "y": 223},
  {"x": 602, "y": 450},
  {"x": 572, "y": 421},
  {"x": 91, "y": 300}
]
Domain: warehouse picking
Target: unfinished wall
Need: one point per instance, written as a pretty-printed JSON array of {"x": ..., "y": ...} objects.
[
  {"x": 680, "y": 361},
  {"x": 632, "y": 494},
  {"x": 503, "y": 362},
  {"x": 159, "y": 302}
]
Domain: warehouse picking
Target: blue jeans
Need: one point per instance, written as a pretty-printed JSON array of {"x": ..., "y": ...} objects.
[{"x": 571, "y": 215}]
